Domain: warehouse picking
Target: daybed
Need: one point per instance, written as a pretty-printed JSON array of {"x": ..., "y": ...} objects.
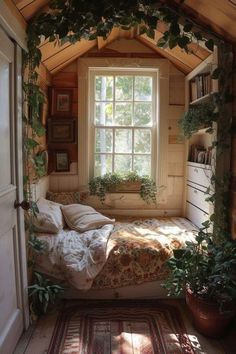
[{"x": 126, "y": 259}]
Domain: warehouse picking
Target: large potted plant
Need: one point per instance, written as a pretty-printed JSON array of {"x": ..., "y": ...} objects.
[{"x": 206, "y": 272}]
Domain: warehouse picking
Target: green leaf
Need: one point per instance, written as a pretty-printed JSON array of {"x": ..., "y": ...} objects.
[
  {"x": 188, "y": 27},
  {"x": 210, "y": 44},
  {"x": 161, "y": 42},
  {"x": 198, "y": 35},
  {"x": 30, "y": 143},
  {"x": 173, "y": 41},
  {"x": 174, "y": 29},
  {"x": 183, "y": 41}
]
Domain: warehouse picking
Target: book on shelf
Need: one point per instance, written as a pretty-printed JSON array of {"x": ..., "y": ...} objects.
[
  {"x": 200, "y": 154},
  {"x": 200, "y": 86}
]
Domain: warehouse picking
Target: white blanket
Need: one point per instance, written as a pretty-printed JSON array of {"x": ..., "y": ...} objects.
[{"x": 75, "y": 257}]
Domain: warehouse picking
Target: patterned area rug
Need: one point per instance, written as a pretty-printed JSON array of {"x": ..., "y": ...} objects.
[{"x": 120, "y": 327}]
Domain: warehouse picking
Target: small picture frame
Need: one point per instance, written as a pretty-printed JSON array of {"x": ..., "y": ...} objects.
[
  {"x": 61, "y": 102},
  {"x": 61, "y": 131},
  {"x": 62, "y": 162}
]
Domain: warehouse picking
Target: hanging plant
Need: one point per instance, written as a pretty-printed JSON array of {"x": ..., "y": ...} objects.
[{"x": 197, "y": 117}]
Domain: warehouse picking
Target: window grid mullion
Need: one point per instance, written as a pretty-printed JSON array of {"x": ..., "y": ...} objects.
[
  {"x": 131, "y": 127},
  {"x": 132, "y": 148},
  {"x": 113, "y": 151}
]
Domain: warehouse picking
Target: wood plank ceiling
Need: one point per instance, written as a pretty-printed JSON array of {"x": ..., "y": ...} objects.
[{"x": 221, "y": 14}]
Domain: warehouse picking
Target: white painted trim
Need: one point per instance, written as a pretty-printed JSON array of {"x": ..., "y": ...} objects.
[
  {"x": 84, "y": 111},
  {"x": 19, "y": 182},
  {"x": 11, "y": 24},
  {"x": 152, "y": 73}
]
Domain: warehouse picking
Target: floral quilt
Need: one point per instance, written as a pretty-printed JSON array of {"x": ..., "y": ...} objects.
[
  {"x": 138, "y": 251},
  {"x": 128, "y": 254}
]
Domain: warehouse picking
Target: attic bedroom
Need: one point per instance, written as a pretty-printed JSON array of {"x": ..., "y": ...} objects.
[{"x": 117, "y": 187}]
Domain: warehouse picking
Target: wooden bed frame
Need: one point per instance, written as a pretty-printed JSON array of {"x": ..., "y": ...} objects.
[{"x": 147, "y": 290}]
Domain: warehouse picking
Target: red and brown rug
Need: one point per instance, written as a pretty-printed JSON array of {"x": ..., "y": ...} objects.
[{"x": 120, "y": 327}]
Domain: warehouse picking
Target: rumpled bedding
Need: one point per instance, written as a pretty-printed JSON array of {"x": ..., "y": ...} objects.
[
  {"x": 130, "y": 253},
  {"x": 73, "y": 256}
]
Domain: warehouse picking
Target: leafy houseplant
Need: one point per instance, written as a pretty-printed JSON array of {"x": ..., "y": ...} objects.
[
  {"x": 43, "y": 293},
  {"x": 113, "y": 182},
  {"x": 207, "y": 272},
  {"x": 198, "y": 116}
]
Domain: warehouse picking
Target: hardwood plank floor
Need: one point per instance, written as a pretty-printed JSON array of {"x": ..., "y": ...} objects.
[{"x": 40, "y": 335}]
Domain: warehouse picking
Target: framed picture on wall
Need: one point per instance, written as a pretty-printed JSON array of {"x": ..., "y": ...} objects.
[
  {"x": 62, "y": 162},
  {"x": 61, "y": 102},
  {"x": 61, "y": 131}
]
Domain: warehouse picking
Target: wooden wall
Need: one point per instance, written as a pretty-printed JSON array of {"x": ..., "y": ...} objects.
[
  {"x": 66, "y": 78},
  {"x": 233, "y": 157}
]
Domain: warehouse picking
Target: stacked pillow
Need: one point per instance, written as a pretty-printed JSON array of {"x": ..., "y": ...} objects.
[
  {"x": 78, "y": 217},
  {"x": 83, "y": 218},
  {"x": 50, "y": 218}
]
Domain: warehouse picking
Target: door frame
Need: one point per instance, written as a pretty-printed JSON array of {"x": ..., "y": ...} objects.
[
  {"x": 19, "y": 181},
  {"x": 18, "y": 154}
]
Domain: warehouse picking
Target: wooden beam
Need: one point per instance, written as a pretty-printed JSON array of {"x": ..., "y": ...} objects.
[
  {"x": 219, "y": 14},
  {"x": 49, "y": 49},
  {"x": 29, "y": 8},
  {"x": 101, "y": 43}
]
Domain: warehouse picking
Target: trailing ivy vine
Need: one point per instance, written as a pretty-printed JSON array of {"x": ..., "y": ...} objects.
[{"x": 73, "y": 20}]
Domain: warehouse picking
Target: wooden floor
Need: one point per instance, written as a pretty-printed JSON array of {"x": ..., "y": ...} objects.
[{"x": 36, "y": 340}]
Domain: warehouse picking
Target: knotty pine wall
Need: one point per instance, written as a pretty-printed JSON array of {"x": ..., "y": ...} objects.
[{"x": 176, "y": 149}]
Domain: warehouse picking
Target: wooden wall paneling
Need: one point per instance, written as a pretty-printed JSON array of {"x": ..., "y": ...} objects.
[
  {"x": 177, "y": 87},
  {"x": 67, "y": 55},
  {"x": 29, "y": 8},
  {"x": 233, "y": 155},
  {"x": 49, "y": 49},
  {"x": 65, "y": 79},
  {"x": 219, "y": 14},
  {"x": 182, "y": 66},
  {"x": 176, "y": 153}
]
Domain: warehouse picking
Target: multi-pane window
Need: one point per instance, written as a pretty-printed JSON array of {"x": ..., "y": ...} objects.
[{"x": 123, "y": 121}]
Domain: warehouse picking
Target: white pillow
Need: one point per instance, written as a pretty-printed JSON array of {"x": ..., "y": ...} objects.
[
  {"x": 50, "y": 218},
  {"x": 83, "y": 218}
]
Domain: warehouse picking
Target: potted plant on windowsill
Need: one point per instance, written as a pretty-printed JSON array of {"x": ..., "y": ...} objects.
[
  {"x": 206, "y": 272},
  {"x": 129, "y": 183}
]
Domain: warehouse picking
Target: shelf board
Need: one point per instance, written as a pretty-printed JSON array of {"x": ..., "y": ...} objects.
[
  {"x": 201, "y": 165},
  {"x": 200, "y": 99}
]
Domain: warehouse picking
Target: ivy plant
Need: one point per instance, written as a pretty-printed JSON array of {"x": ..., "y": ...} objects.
[
  {"x": 111, "y": 182},
  {"x": 198, "y": 116}
]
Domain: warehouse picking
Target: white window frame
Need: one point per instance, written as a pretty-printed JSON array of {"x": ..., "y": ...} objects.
[
  {"x": 153, "y": 73},
  {"x": 163, "y": 108}
]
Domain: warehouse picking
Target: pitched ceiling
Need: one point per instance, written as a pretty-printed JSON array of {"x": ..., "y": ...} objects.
[{"x": 221, "y": 15}]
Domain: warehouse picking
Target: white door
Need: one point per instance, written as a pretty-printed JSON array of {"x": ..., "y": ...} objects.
[{"x": 11, "y": 308}]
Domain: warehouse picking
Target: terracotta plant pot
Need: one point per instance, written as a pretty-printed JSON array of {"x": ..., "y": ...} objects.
[{"x": 207, "y": 318}]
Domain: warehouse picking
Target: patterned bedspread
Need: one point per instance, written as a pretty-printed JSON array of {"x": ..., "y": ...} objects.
[{"x": 138, "y": 251}]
